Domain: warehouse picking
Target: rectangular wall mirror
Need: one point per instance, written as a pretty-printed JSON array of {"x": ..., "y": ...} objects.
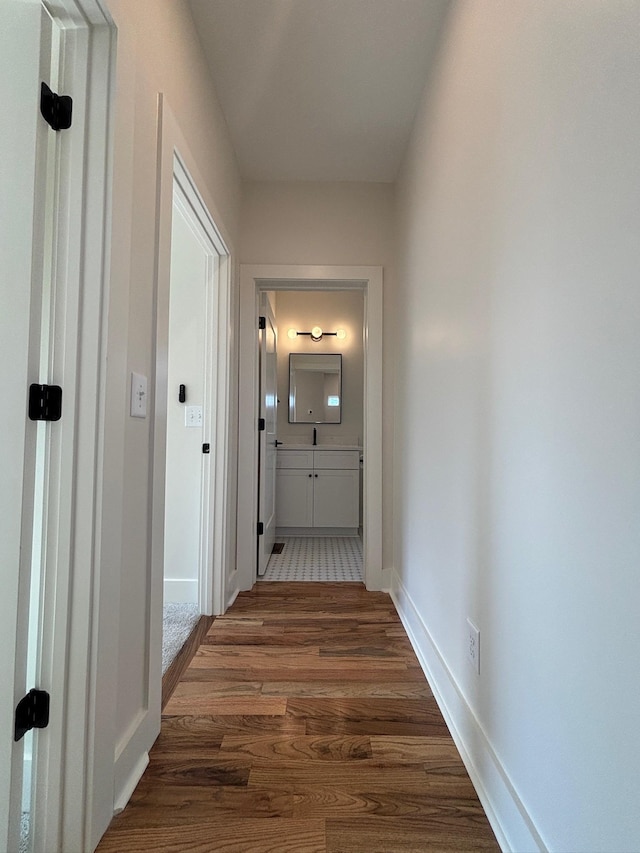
[{"x": 315, "y": 388}]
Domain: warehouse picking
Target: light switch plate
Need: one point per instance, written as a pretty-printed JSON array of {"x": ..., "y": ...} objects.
[
  {"x": 193, "y": 416},
  {"x": 138, "y": 395}
]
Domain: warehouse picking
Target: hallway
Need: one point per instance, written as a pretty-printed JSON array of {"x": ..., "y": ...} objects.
[{"x": 304, "y": 723}]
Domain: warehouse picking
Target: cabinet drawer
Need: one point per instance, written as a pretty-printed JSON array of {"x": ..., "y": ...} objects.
[
  {"x": 336, "y": 459},
  {"x": 294, "y": 459}
]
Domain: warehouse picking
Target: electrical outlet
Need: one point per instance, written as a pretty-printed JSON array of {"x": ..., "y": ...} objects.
[
  {"x": 138, "y": 396},
  {"x": 473, "y": 645},
  {"x": 193, "y": 416}
]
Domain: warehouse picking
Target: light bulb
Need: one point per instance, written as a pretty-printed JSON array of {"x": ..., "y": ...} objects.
[
  {"x": 316, "y": 333},
  {"x": 292, "y": 334},
  {"x": 341, "y": 334}
]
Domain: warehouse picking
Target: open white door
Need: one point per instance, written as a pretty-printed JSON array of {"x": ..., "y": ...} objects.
[
  {"x": 268, "y": 435},
  {"x": 195, "y": 435},
  {"x": 25, "y": 60},
  {"x": 193, "y": 273}
]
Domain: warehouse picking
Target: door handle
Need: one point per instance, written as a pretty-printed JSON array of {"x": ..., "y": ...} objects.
[{"x": 277, "y": 443}]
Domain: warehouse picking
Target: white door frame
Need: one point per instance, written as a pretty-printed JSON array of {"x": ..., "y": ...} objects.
[
  {"x": 253, "y": 279},
  {"x": 22, "y": 152},
  {"x": 267, "y": 447},
  {"x": 193, "y": 211},
  {"x": 176, "y": 163},
  {"x": 132, "y": 748},
  {"x": 66, "y": 779},
  {"x": 74, "y": 816}
]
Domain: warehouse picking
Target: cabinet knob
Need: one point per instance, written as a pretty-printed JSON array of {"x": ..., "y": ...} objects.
[
  {"x": 310, "y": 476},
  {"x": 315, "y": 475}
]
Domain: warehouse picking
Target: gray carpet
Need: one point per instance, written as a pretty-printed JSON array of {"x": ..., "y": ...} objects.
[
  {"x": 178, "y": 621},
  {"x": 25, "y": 826}
]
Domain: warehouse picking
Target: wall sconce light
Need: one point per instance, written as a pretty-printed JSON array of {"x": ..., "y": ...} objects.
[{"x": 316, "y": 334}]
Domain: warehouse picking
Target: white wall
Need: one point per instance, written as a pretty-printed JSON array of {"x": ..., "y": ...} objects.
[
  {"x": 331, "y": 311},
  {"x": 329, "y": 223},
  {"x": 158, "y": 51},
  {"x": 517, "y": 464}
]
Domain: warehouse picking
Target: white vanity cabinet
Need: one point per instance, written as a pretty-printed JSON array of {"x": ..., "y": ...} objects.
[{"x": 317, "y": 488}]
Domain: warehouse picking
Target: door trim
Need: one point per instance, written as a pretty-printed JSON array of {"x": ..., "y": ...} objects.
[
  {"x": 266, "y": 451},
  {"x": 253, "y": 279},
  {"x": 211, "y": 507},
  {"x": 88, "y": 789},
  {"x": 137, "y": 739},
  {"x": 71, "y": 789},
  {"x": 175, "y": 162}
]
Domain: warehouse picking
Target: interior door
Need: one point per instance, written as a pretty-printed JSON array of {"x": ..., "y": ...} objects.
[
  {"x": 268, "y": 435},
  {"x": 25, "y": 59},
  {"x": 186, "y": 474}
]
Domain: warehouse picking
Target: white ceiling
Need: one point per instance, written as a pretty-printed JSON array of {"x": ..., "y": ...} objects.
[{"x": 319, "y": 89}]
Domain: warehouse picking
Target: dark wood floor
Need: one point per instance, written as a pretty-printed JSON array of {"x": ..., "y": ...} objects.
[{"x": 304, "y": 724}]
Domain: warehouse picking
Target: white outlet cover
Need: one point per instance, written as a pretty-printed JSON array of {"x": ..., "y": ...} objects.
[
  {"x": 193, "y": 416},
  {"x": 138, "y": 395}
]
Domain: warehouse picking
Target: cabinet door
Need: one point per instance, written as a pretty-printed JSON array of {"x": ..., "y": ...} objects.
[
  {"x": 294, "y": 497},
  {"x": 335, "y": 502}
]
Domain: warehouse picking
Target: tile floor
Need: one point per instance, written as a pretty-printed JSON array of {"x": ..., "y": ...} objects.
[{"x": 316, "y": 558}]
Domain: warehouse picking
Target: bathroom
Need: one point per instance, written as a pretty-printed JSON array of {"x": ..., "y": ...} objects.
[{"x": 313, "y": 543}]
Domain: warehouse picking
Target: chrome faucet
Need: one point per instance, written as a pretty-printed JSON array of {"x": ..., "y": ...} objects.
[{"x": 315, "y": 436}]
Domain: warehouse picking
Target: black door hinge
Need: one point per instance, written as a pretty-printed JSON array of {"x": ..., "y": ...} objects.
[
  {"x": 206, "y": 448},
  {"x": 262, "y": 424},
  {"x": 45, "y": 402},
  {"x": 260, "y": 528},
  {"x": 56, "y": 109},
  {"x": 262, "y": 322},
  {"x": 32, "y": 712}
]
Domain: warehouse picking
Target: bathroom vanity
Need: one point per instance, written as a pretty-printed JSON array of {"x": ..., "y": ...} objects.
[{"x": 318, "y": 489}]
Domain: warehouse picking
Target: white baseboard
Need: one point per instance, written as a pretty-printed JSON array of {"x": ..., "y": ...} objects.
[
  {"x": 512, "y": 825},
  {"x": 386, "y": 580},
  {"x": 316, "y": 531},
  {"x": 179, "y": 591},
  {"x": 132, "y": 753},
  {"x": 232, "y": 597},
  {"x": 124, "y": 794}
]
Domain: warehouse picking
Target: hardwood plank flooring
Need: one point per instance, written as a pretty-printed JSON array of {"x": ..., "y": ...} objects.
[{"x": 303, "y": 724}]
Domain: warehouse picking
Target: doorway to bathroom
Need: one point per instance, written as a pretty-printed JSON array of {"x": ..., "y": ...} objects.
[
  {"x": 364, "y": 284},
  {"x": 319, "y": 392}
]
